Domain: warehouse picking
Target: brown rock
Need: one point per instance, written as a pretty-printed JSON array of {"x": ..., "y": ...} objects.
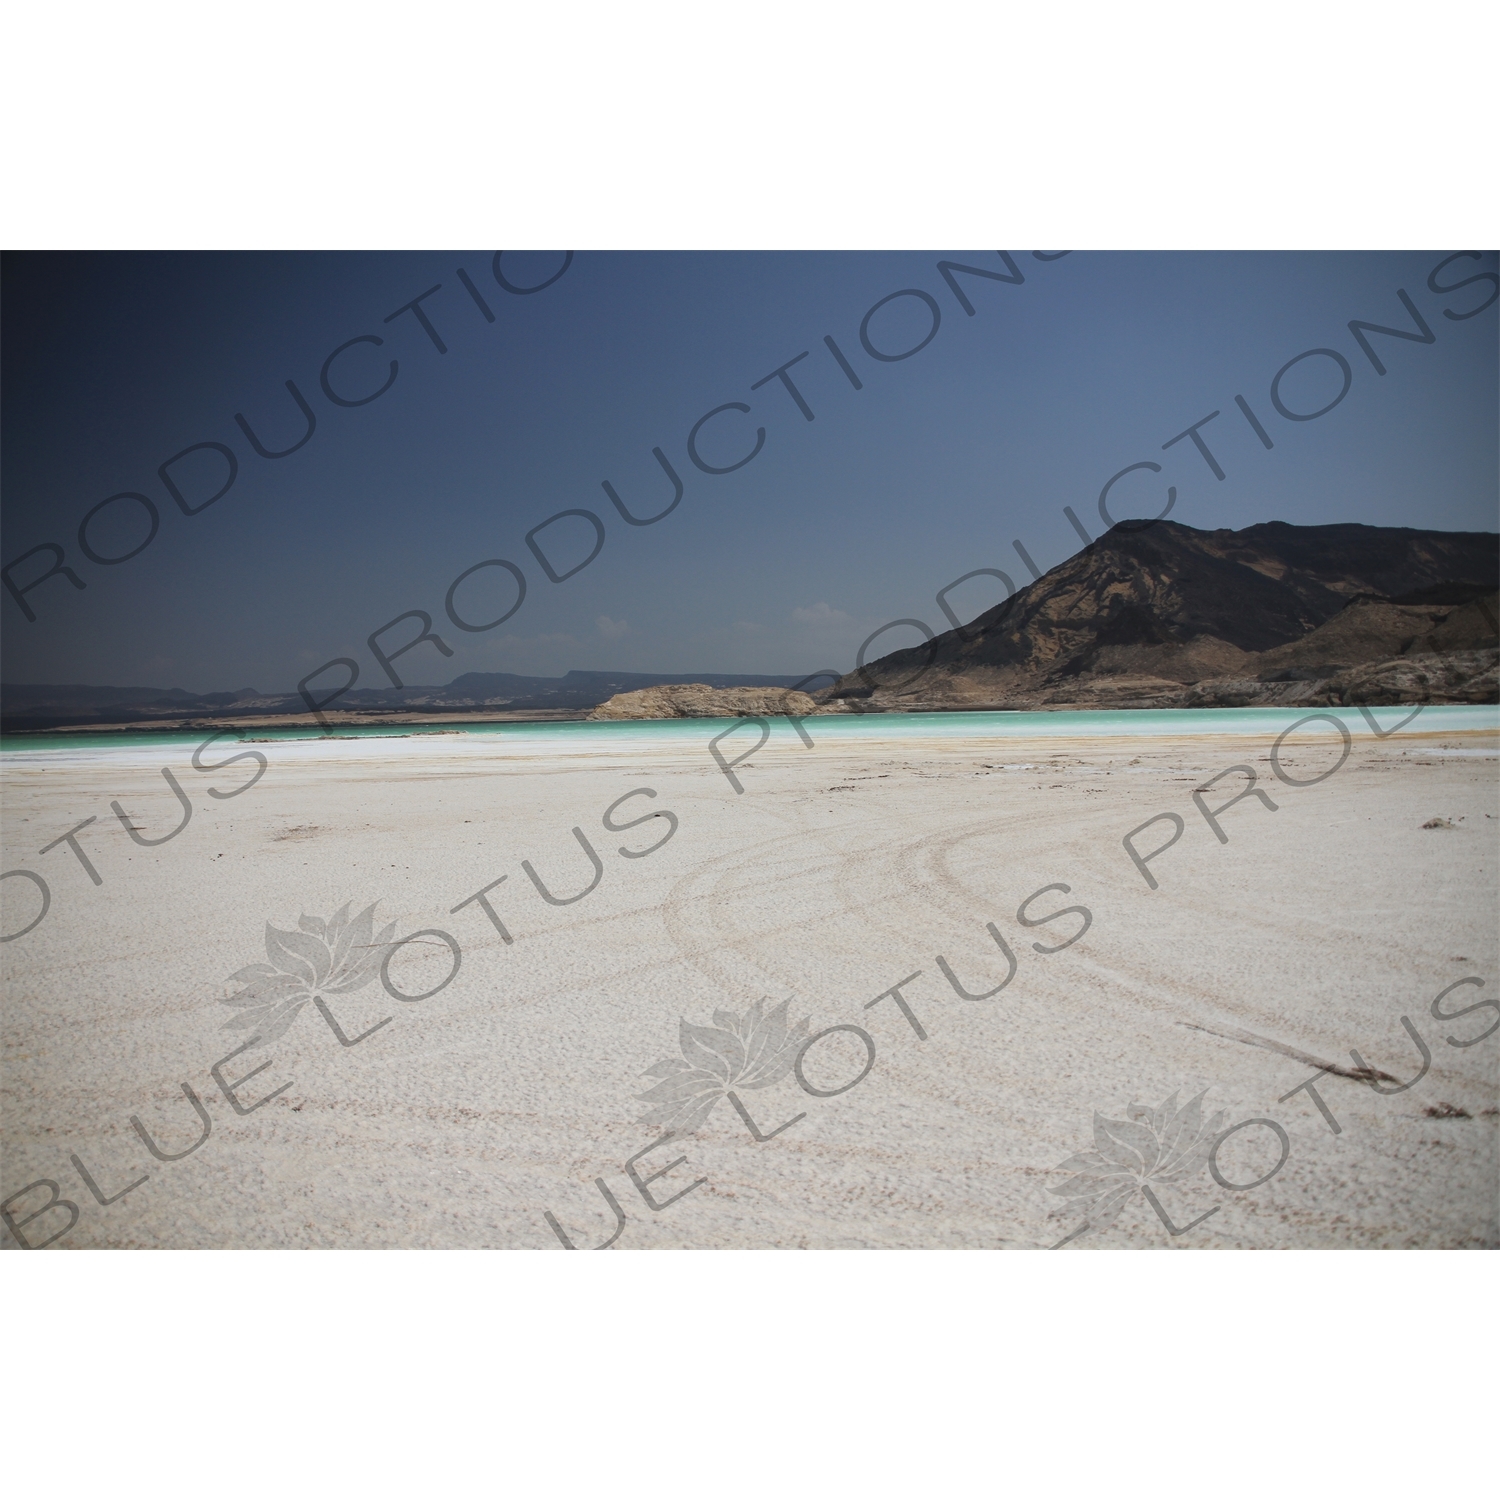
[{"x": 694, "y": 700}]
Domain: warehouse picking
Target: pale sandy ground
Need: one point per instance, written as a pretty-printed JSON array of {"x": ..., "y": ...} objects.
[{"x": 839, "y": 871}]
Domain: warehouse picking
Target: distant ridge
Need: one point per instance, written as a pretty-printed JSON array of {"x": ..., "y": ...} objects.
[{"x": 52, "y": 706}]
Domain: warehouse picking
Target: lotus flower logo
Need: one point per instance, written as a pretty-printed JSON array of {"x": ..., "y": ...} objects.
[
  {"x": 323, "y": 958},
  {"x": 751, "y": 1051},
  {"x": 1162, "y": 1145}
]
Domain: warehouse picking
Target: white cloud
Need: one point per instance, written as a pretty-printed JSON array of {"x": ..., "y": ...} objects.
[
  {"x": 820, "y": 614},
  {"x": 611, "y": 630}
]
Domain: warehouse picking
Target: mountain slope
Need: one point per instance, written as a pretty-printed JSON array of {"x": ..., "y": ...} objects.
[{"x": 1160, "y": 613}]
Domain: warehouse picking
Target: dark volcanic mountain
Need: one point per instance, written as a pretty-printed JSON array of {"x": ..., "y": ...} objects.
[{"x": 1163, "y": 615}]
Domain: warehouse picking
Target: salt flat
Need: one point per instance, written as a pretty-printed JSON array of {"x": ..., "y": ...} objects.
[{"x": 837, "y": 872}]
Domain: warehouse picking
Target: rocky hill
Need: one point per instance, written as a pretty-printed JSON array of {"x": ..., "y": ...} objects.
[
  {"x": 1166, "y": 616},
  {"x": 697, "y": 700}
]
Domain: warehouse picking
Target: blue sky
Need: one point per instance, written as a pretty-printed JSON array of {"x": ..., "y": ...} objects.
[{"x": 114, "y": 363}]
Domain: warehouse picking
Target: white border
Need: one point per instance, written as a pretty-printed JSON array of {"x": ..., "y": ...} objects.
[
  {"x": 793, "y": 123},
  {"x": 741, "y": 1374}
]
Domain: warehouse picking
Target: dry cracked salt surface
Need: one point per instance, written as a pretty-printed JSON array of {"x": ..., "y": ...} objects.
[{"x": 840, "y": 871}]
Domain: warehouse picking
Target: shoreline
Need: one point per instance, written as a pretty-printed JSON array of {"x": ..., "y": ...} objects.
[
  {"x": 460, "y": 720},
  {"x": 338, "y": 719}
]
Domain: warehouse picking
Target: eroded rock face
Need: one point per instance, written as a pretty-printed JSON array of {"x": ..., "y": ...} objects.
[
  {"x": 1454, "y": 677},
  {"x": 1428, "y": 677},
  {"x": 693, "y": 700}
]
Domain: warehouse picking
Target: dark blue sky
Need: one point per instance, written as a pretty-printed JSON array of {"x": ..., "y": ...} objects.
[{"x": 114, "y": 363}]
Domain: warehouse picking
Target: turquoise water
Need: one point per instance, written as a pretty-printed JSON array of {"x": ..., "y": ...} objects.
[
  {"x": 87, "y": 739},
  {"x": 582, "y": 734}
]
